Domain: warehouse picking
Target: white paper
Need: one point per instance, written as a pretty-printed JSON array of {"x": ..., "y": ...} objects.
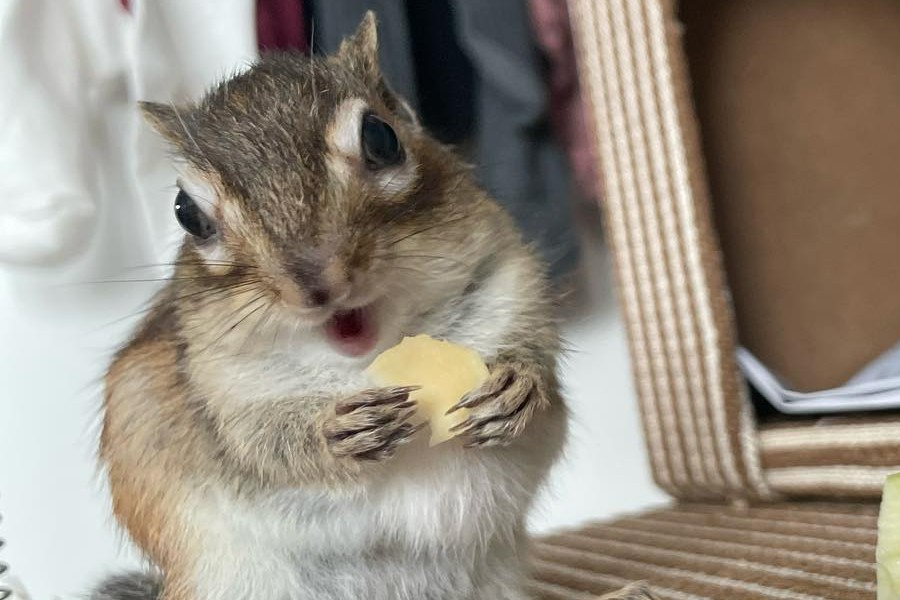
[{"x": 875, "y": 387}]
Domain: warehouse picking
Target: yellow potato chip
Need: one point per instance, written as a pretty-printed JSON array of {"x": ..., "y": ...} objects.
[{"x": 445, "y": 372}]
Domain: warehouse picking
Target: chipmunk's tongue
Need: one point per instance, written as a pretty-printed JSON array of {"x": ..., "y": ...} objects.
[{"x": 352, "y": 332}]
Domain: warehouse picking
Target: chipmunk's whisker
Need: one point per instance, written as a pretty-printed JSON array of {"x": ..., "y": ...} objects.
[{"x": 400, "y": 255}]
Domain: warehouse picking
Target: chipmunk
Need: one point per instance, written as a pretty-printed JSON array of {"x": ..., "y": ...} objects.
[{"x": 247, "y": 454}]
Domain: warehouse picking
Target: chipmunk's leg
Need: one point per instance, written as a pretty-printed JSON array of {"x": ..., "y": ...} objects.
[{"x": 317, "y": 439}]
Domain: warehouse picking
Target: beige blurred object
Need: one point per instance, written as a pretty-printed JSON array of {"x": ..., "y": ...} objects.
[{"x": 759, "y": 203}]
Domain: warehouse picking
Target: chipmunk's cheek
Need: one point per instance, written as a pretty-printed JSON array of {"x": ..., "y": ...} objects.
[{"x": 353, "y": 332}]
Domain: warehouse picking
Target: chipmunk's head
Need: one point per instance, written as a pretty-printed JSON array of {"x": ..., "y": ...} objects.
[{"x": 311, "y": 184}]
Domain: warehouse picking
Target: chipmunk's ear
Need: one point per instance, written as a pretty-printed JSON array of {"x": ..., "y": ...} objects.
[
  {"x": 360, "y": 51},
  {"x": 168, "y": 121}
]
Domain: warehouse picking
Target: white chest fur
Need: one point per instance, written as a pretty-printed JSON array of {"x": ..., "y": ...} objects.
[{"x": 428, "y": 521}]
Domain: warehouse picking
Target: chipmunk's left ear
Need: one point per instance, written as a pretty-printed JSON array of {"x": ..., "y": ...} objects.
[{"x": 360, "y": 51}]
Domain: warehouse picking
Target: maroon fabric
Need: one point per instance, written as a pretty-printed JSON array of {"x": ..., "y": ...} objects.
[
  {"x": 550, "y": 21},
  {"x": 280, "y": 25}
]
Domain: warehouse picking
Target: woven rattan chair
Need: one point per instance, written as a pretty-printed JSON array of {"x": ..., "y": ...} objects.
[{"x": 724, "y": 128}]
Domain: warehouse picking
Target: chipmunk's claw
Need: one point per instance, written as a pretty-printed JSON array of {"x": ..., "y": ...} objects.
[
  {"x": 502, "y": 407},
  {"x": 371, "y": 425}
]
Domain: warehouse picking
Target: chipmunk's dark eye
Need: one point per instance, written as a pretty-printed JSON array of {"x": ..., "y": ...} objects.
[
  {"x": 191, "y": 218},
  {"x": 380, "y": 146}
]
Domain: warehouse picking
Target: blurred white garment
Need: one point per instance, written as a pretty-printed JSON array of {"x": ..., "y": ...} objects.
[
  {"x": 86, "y": 194},
  {"x": 56, "y": 57},
  {"x": 67, "y": 68}
]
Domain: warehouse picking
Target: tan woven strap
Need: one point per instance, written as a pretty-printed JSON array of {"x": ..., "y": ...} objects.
[
  {"x": 845, "y": 457},
  {"x": 700, "y": 433},
  {"x": 709, "y": 552}
]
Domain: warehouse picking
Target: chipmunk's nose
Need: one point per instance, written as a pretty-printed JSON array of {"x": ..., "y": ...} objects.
[
  {"x": 319, "y": 296},
  {"x": 322, "y": 284}
]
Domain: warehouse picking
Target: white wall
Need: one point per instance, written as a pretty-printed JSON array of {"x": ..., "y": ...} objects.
[
  {"x": 605, "y": 470},
  {"x": 55, "y": 515}
]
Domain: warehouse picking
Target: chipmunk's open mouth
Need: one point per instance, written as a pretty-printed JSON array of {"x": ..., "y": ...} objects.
[{"x": 352, "y": 332}]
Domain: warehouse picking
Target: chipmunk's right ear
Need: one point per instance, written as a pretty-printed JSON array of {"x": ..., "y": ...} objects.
[
  {"x": 360, "y": 50},
  {"x": 169, "y": 121}
]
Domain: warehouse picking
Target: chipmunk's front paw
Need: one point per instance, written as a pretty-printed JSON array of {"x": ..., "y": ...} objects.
[
  {"x": 502, "y": 407},
  {"x": 371, "y": 424}
]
